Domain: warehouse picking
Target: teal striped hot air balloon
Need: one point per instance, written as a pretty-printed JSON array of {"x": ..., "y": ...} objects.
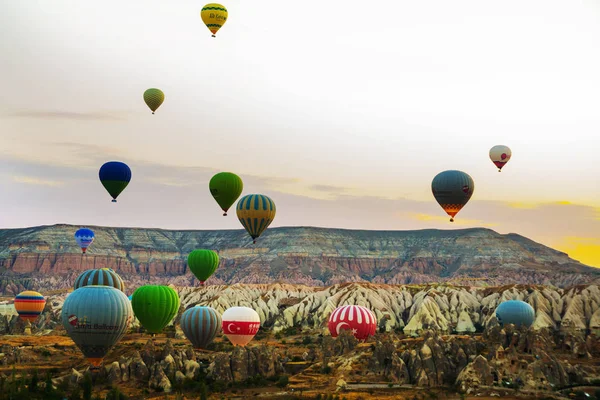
[
  {"x": 515, "y": 312},
  {"x": 200, "y": 325},
  {"x": 101, "y": 277},
  {"x": 96, "y": 318},
  {"x": 255, "y": 212}
]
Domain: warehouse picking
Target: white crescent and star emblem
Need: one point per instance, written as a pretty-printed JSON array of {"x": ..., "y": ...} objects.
[{"x": 339, "y": 326}]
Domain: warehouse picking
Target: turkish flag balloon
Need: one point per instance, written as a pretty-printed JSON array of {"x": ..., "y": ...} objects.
[
  {"x": 360, "y": 320},
  {"x": 240, "y": 325}
]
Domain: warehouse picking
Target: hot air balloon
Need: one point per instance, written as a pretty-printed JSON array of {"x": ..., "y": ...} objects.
[
  {"x": 99, "y": 277},
  {"x": 96, "y": 318},
  {"x": 226, "y": 187},
  {"x": 203, "y": 263},
  {"x": 255, "y": 212},
  {"x": 155, "y": 306},
  {"x": 200, "y": 325},
  {"x": 452, "y": 190},
  {"x": 500, "y": 155},
  {"x": 240, "y": 325},
  {"x": 84, "y": 237},
  {"x": 29, "y": 305},
  {"x": 154, "y": 98},
  {"x": 129, "y": 297},
  {"x": 359, "y": 319},
  {"x": 214, "y": 17},
  {"x": 115, "y": 177},
  {"x": 515, "y": 312}
]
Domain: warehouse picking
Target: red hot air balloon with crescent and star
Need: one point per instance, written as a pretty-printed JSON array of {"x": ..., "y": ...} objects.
[
  {"x": 360, "y": 320},
  {"x": 240, "y": 325}
]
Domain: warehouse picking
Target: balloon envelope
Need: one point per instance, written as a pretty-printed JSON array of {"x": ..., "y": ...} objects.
[
  {"x": 115, "y": 176},
  {"x": 500, "y": 155},
  {"x": 200, "y": 325},
  {"x": 360, "y": 320},
  {"x": 84, "y": 237},
  {"x": 155, "y": 306},
  {"x": 29, "y": 305},
  {"x": 225, "y": 187},
  {"x": 452, "y": 190},
  {"x": 101, "y": 277},
  {"x": 154, "y": 98},
  {"x": 214, "y": 17},
  {"x": 203, "y": 263},
  {"x": 255, "y": 212},
  {"x": 240, "y": 325},
  {"x": 96, "y": 318},
  {"x": 515, "y": 312}
]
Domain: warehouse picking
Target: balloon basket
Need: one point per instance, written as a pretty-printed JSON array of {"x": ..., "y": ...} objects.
[{"x": 113, "y": 201}]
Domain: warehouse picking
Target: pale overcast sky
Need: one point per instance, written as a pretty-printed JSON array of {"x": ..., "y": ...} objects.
[{"x": 341, "y": 111}]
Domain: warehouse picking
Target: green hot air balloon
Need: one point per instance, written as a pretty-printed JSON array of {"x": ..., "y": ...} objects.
[
  {"x": 155, "y": 306},
  {"x": 226, "y": 187},
  {"x": 203, "y": 263},
  {"x": 154, "y": 98},
  {"x": 452, "y": 190},
  {"x": 96, "y": 318}
]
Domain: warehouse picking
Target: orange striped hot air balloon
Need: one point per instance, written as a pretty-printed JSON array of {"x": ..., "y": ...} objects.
[{"x": 29, "y": 305}]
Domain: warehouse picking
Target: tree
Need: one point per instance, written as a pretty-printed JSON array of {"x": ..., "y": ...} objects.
[
  {"x": 33, "y": 384},
  {"x": 87, "y": 387}
]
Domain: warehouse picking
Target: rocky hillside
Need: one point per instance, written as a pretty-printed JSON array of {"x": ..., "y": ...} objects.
[
  {"x": 560, "y": 350},
  {"x": 410, "y": 309},
  {"x": 47, "y": 258}
]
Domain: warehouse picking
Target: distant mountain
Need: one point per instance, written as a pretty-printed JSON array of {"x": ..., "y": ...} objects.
[{"x": 47, "y": 257}]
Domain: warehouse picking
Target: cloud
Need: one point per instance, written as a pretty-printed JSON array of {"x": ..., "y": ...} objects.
[
  {"x": 30, "y": 180},
  {"x": 77, "y": 116},
  {"x": 329, "y": 188}
]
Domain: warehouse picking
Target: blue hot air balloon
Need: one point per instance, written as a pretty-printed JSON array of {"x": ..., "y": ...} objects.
[
  {"x": 115, "y": 177},
  {"x": 200, "y": 325},
  {"x": 96, "y": 318},
  {"x": 130, "y": 297},
  {"x": 515, "y": 312},
  {"x": 84, "y": 237},
  {"x": 101, "y": 277}
]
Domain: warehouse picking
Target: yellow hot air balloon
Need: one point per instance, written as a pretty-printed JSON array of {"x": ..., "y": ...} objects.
[
  {"x": 255, "y": 212},
  {"x": 214, "y": 17}
]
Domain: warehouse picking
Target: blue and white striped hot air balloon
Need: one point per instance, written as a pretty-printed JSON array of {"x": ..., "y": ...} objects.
[{"x": 84, "y": 237}]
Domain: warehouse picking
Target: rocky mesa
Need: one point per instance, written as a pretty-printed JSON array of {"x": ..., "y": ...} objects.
[{"x": 47, "y": 257}]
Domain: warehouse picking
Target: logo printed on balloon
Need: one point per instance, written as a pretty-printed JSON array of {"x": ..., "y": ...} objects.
[
  {"x": 73, "y": 320},
  {"x": 241, "y": 328}
]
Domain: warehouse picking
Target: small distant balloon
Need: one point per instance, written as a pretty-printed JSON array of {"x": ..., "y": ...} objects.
[
  {"x": 115, "y": 176},
  {"x": 154, "y": 98},
  {"x": 452, "y": 190},
  {"x": 203, "y": 263},
  {"x": 225, "y": 188},
  {"x": 255, "y": 212},
  {"x": 500, "y": 155},
  {"x": 84, "y": 237},
  {"x": 214, "y": 17}
]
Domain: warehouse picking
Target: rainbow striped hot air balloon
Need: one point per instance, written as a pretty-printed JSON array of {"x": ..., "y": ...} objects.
[
  {"x": 255, "y": 212},
  {"x": 29, "y": 305}
]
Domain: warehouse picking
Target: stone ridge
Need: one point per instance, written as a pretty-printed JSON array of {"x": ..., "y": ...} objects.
[{"x": 47, "y": 257}]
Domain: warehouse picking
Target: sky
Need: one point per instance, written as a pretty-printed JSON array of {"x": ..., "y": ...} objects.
[{"x": 342, "y": 112}]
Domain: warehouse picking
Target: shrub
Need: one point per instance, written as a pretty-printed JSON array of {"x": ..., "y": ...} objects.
[{"x": 283, "y": 381}]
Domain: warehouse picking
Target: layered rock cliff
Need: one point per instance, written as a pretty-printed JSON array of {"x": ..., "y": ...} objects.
[{"x": 47, "y": 257}]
